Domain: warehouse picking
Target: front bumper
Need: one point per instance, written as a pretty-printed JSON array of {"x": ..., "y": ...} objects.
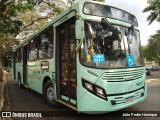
[{"x": 94, "y": 105}]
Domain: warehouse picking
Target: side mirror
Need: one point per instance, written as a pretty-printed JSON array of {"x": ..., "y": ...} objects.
[
  {"x": 79, "y": 33},
  {"x": 79, "y": 29},
  {"x": 132, "y": 29}
]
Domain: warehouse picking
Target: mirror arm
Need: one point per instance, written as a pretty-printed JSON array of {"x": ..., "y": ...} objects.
[
  {"x": 79, "y": 45},
  {"x": 132, "y": 27},
  {"x": 79, "y": 31}
]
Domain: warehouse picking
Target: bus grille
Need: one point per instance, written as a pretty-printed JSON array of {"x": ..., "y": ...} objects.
[{"x": 120, "y": 76}]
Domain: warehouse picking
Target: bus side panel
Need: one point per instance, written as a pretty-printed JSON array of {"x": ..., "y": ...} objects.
[
  {"x": 31, "y": 73},
  {"x": 36, "y": 75},
  {"x": 19, "y": 71}
]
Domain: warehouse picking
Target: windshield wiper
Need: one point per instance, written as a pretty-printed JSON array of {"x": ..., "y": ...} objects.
[
  {"x": 111, "y": 28},
  {"x": 129, "y": 40},
  {"x": 105, "y": 21}
]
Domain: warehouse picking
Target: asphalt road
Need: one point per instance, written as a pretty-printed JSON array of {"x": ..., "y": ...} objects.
[{"x": 28, "y": 100}]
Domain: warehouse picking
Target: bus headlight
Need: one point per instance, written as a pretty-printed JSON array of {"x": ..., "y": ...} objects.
[
  {"x": 88, "y": 86},
  {"x": 94, "y": 89}
]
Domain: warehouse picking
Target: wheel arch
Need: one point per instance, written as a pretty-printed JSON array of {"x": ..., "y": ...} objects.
[{"x": 46, "y": 78}]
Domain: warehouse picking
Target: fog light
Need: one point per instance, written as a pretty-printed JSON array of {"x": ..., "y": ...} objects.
[
  {"x": 100, "y": 92},
  {"x": 113, "y": 102},
  {"x": 142, "y": 94}
]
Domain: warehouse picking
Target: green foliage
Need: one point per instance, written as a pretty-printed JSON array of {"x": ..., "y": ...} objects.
[
  {"x": 6, "y": 59},
  {"x": 40, "y": 15},
  {"x": 152, "y": 50},
  {"x": 5, "y": 43},
  {"x": 10, "y": 25},
  {"x": 23, "y": 17},
  {"x": 154, "y": 9},
  {"x": 9, "y": 9}
]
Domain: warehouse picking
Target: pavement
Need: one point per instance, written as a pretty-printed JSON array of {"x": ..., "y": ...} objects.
[
  {"x": 154, "y": 79},
  {"x": 2, "y": 88},
  {"x": 2, "y": 84}
]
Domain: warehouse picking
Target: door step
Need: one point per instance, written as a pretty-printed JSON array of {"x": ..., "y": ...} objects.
[{"x": 67, "y": 104}]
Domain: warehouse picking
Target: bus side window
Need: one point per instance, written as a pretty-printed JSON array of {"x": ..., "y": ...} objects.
[
  {"x": 33, "y": 50},
  {"x": 46, "y": 45}
]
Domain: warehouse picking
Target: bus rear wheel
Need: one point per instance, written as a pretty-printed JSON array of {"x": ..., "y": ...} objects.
[{"x": 49, "y": 94}]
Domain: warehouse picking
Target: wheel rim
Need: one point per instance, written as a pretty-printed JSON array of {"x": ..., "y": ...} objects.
[{"x": 50, "y": 94}]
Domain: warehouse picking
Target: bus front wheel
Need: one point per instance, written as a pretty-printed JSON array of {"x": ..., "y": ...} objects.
[{"x": 49, "y": 94}]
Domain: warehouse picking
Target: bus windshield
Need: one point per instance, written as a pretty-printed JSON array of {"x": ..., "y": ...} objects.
[{"x": 103, "y": 48}]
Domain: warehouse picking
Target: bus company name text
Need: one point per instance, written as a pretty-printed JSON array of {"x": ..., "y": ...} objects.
[{"x": 21, "y": 114}]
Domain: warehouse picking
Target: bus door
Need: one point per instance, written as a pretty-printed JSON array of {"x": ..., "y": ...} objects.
[
  {"x": 66, "y": 62},
  {"x": 25, "y": 65}
]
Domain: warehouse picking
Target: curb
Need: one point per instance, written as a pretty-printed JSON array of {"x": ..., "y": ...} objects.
[
  {"x": 153, "y": 79},
  {"x": 2, "y": 95}
]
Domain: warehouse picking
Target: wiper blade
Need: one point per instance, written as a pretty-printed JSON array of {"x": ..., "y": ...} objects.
[
  {"x": 110, "y": 27},
  {"x": 106, "y": 22}
]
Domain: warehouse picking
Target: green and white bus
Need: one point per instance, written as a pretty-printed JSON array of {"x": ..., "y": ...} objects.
[{"x": 87, "y": 58}]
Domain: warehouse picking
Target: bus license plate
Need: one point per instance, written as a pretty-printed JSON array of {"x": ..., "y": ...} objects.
[{"x": 129, "y": 99}]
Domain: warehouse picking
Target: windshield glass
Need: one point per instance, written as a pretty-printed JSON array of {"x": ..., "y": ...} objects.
[
  {"x": 103, "y": 48},
  {"x": 110, "y": 12}
]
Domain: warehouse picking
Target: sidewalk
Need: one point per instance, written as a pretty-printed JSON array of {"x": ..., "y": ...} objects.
[
  {"x": 155, "y": 73},
  {"x": 2, "y": 86},
  {"x": 154, "y": 79}
]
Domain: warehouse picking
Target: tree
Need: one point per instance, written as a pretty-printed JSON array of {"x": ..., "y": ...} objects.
[
  {"x": 15, "y": 23},
  {"x": 6, "y": 59},
  {"x": 152, "y": 50},
  {"x": 154, "y": 9},
  {"x": 9, "y": 8},
  {"x": 40, "y": 15},
  {"x": 9, "y": 25}
]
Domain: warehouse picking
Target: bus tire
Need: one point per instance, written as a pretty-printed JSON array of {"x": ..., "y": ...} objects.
[
  {"x": 19, "y": 82},
  {"x": 49, "y": 94}
]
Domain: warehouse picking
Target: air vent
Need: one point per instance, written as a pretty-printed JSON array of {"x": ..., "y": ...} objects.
[{"x": 120, "y": 76}]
